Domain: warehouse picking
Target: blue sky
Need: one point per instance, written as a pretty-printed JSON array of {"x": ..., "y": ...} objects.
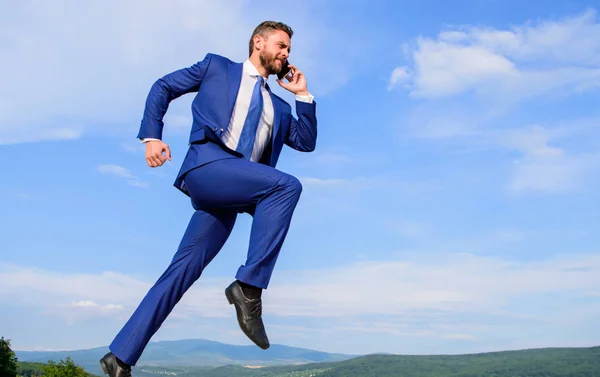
[{"x": 451, "y": 205}]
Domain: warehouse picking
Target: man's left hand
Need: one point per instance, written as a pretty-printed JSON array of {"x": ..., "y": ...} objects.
[{"x": 296, "y": 82}]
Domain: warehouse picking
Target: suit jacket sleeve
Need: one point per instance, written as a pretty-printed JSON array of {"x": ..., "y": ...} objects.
[
  {"x": 302, "y": 133},
  {"x": 165, "y": 90}
]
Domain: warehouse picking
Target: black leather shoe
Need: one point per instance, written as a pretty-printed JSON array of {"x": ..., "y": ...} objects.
[
  {"x": 249, "y": 314},
  {"x": 112, "y": 368}
]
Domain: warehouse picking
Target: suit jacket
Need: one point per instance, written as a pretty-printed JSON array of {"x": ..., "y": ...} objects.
[{"x": 216, "y": 80}]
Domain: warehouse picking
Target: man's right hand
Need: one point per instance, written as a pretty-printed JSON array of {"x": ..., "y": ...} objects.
[{"x": 154, "y": 153}]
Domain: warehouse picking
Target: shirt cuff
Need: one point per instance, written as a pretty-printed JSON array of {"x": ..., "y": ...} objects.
[
  {"x": 147, "y": 139},
  {"x": 307, "y": 98}
]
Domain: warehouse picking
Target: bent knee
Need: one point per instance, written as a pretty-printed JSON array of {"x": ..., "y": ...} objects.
[{"x": 291, "y": 183}]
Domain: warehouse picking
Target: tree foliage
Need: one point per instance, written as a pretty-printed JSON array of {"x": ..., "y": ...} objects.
[
  {"x": 29, "y": 369},
  {"x": 8, "y": 359},
  {"x": 64, "y": 368}
]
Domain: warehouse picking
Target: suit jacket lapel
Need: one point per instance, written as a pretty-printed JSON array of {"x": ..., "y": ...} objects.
[{"x": 234, "y": 77}]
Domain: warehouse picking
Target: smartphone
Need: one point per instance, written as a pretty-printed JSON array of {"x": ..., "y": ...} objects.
[{"x": 285, "y": 69}]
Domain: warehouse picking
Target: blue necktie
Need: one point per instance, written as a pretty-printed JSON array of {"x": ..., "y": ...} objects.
[{"x": 246, "y": 143}]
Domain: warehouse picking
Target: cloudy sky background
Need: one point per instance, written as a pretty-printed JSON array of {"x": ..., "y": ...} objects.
[{"x": 451, "y": 205}]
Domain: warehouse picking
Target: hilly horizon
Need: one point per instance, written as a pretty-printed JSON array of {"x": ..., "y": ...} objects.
[
  {"x": 190, "y": 358},
  {"x": 540, "y": 362},
  {"x": 193, "y": 352}
]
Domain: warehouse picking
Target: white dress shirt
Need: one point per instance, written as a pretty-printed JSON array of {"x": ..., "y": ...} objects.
[{"x": 231, "y": 135}]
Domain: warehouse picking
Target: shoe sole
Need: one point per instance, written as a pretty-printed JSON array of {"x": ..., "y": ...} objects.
[{"x": 103, "y": 366}]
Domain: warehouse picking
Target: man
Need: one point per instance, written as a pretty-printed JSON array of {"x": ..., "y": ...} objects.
[{"x": 239, "y": 128}]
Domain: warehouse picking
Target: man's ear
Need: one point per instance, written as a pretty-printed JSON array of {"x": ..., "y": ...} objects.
[{"x": 258, "y": 42}]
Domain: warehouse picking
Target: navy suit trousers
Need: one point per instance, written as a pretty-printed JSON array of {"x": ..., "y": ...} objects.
[{"x": 219, "y": 191}]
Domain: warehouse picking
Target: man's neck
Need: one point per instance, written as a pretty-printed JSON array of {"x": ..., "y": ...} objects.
[{"x": 255, "y": 60}]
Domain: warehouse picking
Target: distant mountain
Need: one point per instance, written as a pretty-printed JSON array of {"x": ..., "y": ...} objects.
[
  {"x": 192, "y": 352},
  {"x": 242, "y": 361},
  {"x": 555, "y": 362}
]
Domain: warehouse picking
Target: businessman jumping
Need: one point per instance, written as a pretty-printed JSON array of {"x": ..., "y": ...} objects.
[{"x": 238, "y": 131}]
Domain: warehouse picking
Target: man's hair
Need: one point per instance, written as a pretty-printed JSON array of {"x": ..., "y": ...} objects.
[{"x": 267, "y": 27}]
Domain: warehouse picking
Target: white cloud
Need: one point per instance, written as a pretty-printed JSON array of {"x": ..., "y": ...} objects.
[
  {"x": 116, "y": 170},
  {"x": 469, "y": 81},
  {"x": 15, "y": 132},
  {"x": 399, "y": 76},
  {"x": 85, "y": 304},
  {"x": 446, "y": 69},
  {"x": 137, "y": 183},
  {"x": 122, "y": 172},
  {"x": 453, "y": 282},
  {"x": 481, "y": 301},
  {"x": 93, "y": 305},
  {"x": 555, "y": 57},
  {"x": 333, "y": 159},
  {"x": 444, "y": 282},
  {"x": 533, "y": 141},
  {"x": 405, "y": 330},
  {"x": 98, "y": 294},
  {"x": 549, "y": 173},
  {"x": 542, "y": 166}
]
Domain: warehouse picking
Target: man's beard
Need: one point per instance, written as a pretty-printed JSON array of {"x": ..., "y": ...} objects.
[{"x": 268, "y": 61}]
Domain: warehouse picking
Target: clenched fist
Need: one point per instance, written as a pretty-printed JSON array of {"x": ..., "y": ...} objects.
[{"x": 154, "y": 153}]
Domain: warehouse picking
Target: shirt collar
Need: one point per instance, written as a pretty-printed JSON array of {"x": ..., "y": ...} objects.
[{"x": 250, "y": 69}]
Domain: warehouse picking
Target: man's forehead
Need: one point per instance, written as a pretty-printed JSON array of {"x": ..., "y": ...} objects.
[{"x": 279, "y": 36}]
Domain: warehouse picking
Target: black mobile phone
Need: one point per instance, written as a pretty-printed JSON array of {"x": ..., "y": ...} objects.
[{"x": 285, "y": 69}]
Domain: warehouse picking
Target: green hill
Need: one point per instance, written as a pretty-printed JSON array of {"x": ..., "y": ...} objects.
[
  {"x": 551, "y": 362},
  {"x": 570, "y": 362},
  {"x": 198, "y": 358}
]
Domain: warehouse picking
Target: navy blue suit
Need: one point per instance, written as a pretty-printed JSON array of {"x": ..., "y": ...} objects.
[{"x": 221, "y": 184}]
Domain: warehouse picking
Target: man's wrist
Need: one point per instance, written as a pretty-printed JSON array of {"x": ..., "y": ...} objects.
[
  {"x": 308, "y": 98},
  {"x": 302, "y": 93}
]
